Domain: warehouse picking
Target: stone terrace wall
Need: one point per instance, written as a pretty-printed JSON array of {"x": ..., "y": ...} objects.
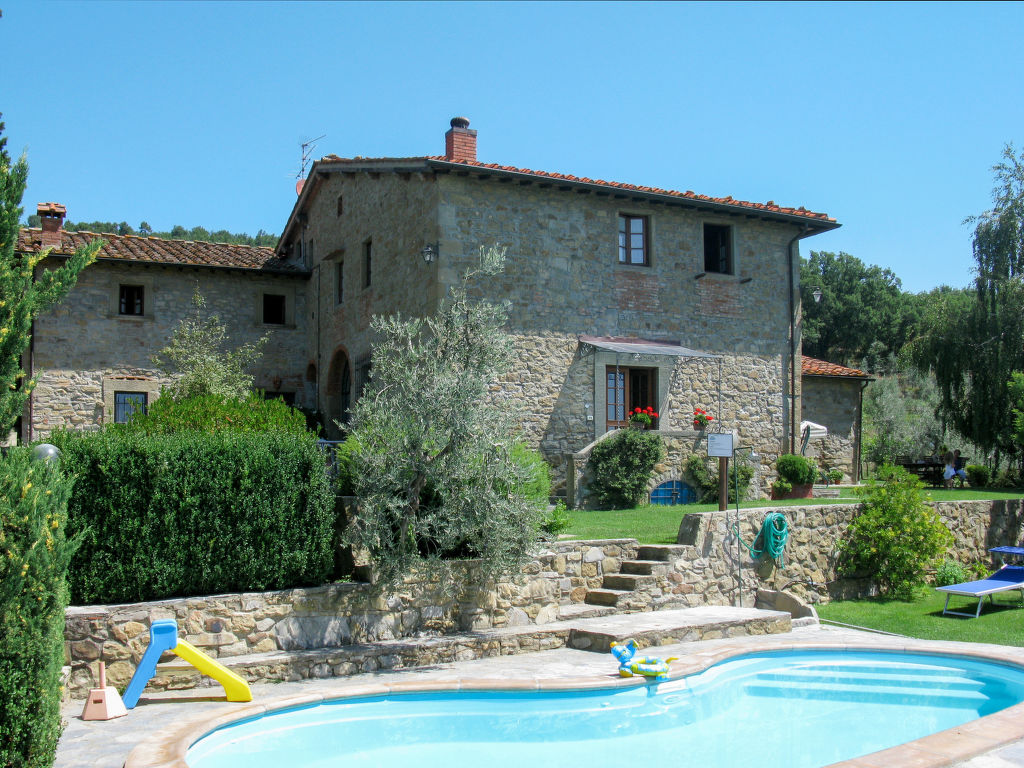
[{"x": 809, "y": 569}]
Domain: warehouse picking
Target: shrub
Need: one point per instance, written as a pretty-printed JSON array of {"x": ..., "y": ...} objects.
[
  {"x": 621, "y": 465},
  {"x": 534, "y": 482},
  {"x": 1007, "y": 478},
  {"x": 557, "y": 520},
  {"x": 895, "y": 537},
  {"x": 782, "y": 487},
  {"x": 796, "y": 470},
  {"x": 950, "y": 572},
  {"x": 34, "y": 555},
  {"x": 704, "y": 474},
  {"x": 216, "y": 413},
  {"x": 190, "y": 513},
  {"x": 978, "y": 475}
]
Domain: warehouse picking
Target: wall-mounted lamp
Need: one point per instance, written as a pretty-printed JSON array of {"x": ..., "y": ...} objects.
[
  {"x": 429, "y": 252},
  {"x": 817, "y": 294}
]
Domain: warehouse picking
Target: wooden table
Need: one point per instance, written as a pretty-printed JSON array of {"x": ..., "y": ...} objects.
[{"x": 929, "y": 471}]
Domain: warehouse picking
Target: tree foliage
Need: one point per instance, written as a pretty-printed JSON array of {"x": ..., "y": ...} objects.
[
  {"x": 973, "y": 346},
  {"x": 901, "y": 413},
  {"x": 433, "y": 465},
  {"x": 860, "y": 304},
  {"x": 24, "y": 294},
  {"x": 204, "y": 360},
  {"x": 177, "y": 232}
]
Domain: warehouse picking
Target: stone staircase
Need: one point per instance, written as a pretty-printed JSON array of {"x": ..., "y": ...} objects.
[{"x": 628, "y": 604}]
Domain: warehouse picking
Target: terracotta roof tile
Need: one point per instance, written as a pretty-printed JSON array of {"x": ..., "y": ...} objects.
[
  {"x": 814, "y": 367},
  {"x": 769, "y": 207},
  {"x": 155, "y": 250}
]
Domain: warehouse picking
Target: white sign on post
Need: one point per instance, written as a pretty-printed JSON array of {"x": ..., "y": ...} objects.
[{"x": 720, "y": 444}]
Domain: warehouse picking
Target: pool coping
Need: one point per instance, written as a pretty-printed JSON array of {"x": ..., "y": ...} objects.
[{"x": 168, "y": 749}]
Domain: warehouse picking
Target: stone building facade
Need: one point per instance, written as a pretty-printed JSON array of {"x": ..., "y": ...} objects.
[
  {"x": 92, "y": 353},
  {"x": 833, "y": 398},
  {"x": 620, "y": 296}
]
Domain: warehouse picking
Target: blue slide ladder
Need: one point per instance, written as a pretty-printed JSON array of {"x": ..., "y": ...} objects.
[{"x": 163, "y": 636}]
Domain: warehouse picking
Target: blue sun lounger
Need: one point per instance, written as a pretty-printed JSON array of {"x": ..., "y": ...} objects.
[{"x": 1007, "y": 578}]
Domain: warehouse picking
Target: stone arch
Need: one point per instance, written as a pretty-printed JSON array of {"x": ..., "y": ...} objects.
[{"x": 339, "y": 392}]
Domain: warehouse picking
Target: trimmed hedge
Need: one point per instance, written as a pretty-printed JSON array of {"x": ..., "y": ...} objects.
[
  {"x": 216, "y": 413},
  {"x": 621, "y": 465},
  {"x": 192, "y": 513},
  {"x": 34, "y": 555},
  {"x": 796, "y": 470}
]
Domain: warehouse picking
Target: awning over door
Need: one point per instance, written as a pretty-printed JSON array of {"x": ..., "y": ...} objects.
[{"x": 628, "y": 346}]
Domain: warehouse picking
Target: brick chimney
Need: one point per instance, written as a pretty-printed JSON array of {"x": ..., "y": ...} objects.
[
  {"x": 460, "y": 142},
  {"x": 52, "y": 216}
]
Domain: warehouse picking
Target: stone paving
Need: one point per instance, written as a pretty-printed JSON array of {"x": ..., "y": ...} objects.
[{"x": 107, "y": 744}]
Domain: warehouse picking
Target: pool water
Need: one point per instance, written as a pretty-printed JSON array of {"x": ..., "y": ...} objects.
[{"x": 792, "y": 709}]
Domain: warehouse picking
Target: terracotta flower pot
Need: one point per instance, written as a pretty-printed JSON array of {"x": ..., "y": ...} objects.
[{"x": 798, "y": 492}]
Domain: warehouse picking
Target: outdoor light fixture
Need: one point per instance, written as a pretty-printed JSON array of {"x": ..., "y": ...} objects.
[
  {"x": 429, "y": 252},
  {"x": 817, "y": 294}
]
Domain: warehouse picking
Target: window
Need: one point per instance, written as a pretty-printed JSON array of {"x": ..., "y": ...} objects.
[
  {"x": 131, "y": 300},
  {"x": 718, "y": 248},
  {"x": 367, "y": 262},
  {"x": 339, "y": 282},
  {"x": 127, "y": 404},
  {"x": 628, "y": 389},
  {"x": 273, "y": 309},
  {"x": 633, "y": 240}
]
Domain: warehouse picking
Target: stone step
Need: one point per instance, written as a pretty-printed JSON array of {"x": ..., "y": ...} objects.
[
  {"x": 583, "y": 611},
  {"x": 606, "y": 596},
  {"x": 677, "y": 626},
  {"x": 643, "y": 567},
  {"x": 177, "y": 680},
  {"x": 664, "y": 552},
  {"x": 626, "y": 581}
]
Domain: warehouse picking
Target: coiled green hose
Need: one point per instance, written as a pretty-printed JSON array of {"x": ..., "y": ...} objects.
[{"x": 773, "y": 535}]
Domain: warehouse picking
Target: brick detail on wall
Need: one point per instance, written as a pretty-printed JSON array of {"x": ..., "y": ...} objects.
[
  {"x": 636, "y": 290},
  {"x": 719, "y": 297}
]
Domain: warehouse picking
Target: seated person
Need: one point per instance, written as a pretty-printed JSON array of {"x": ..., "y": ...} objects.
[
  {"x": 958, "y": 466},
  {"x": 950, "y": 472}
]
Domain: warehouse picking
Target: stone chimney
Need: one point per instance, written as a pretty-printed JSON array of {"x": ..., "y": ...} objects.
[
  {"x": 52, "y": 216},
  {"x": 460, "y": 142}
]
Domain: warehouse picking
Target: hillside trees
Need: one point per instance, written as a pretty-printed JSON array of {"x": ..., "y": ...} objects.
[
  {"x": 177, "y": 232},
  {"x": 975, "y": 345}
]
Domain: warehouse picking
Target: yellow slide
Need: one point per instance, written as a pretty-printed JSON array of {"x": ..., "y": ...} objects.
[{"x": 235, "y": 687}]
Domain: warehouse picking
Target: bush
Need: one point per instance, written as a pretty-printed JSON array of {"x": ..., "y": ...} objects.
[
  {"x": 535, "y": 480},
  {"x": 796, "y": 470},
  {"x": 1007, "y": 478},
  {"x": 557, "y": 520},
  {"x": 704, "y": 474},
  {"x": 950, "y": 572},
  {"x": 978, "y": 475},
  {"x": 896, "y": 537},
  {"x": 165, "y": 515},
  {"x": 34, "y": 555},
  {"x": 215, "y": 413},
  {"x": 621, "y": 465},
  {"x": 782, "y": 487}
]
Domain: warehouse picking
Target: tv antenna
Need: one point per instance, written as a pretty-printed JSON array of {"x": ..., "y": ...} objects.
[{"x": 307, "y": 151}]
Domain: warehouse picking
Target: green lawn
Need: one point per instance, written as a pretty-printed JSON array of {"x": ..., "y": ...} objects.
[
  {"x": 1002, "y": 624},
  {"x": 659, "y": 524}
]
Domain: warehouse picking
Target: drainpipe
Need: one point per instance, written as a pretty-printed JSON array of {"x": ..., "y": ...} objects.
[
  {"x": 792, "y": 336},
  {"x": 860, "y": 427}
]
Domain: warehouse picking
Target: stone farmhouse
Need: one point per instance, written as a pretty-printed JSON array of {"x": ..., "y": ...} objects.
[{"x": 620, "y": 295}]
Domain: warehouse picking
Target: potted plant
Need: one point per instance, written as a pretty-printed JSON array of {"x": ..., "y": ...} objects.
[
  {"x": 701, "y": 419},
  {"x": 642, "y": 418},
  {"x": 796, "y": 477}
]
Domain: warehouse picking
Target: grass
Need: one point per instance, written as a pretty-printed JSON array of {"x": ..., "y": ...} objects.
[
  {"x": 656, "y": 524},
  {"x": 1002, "y": 623}
]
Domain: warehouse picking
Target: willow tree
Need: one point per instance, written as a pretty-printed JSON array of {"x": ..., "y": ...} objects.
[
  {"x": 973, "y": 347},
  {"x": 434, "y": 464},
  {"x": 25, "y": 291}
]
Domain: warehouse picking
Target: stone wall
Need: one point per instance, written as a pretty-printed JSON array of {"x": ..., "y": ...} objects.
[
  {"x": 835, "y": 403},
  {"x": 811, "y": 556},
  {"x": 83, "y": 350}
]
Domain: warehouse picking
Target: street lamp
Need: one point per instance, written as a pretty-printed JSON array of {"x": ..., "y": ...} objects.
[{"x": 736, "y": 484}]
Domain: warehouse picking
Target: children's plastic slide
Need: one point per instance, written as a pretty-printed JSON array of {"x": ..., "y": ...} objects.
[{"x": 163, "y": 636}]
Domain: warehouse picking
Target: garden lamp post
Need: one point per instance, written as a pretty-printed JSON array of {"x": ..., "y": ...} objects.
[{"x": 739, "y": 541}]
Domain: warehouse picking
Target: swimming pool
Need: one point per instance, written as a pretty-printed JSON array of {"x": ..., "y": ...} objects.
[{"x": 800, "y": 709}]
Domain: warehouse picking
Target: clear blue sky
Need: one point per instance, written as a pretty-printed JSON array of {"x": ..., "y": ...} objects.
[{"x": 887, "y": 117}]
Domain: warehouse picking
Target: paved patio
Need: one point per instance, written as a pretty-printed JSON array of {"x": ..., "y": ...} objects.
[{"x": 108, "y": 744}]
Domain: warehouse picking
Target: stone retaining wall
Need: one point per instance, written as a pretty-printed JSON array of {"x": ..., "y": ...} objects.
[{"x": 701, "y": 570}]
